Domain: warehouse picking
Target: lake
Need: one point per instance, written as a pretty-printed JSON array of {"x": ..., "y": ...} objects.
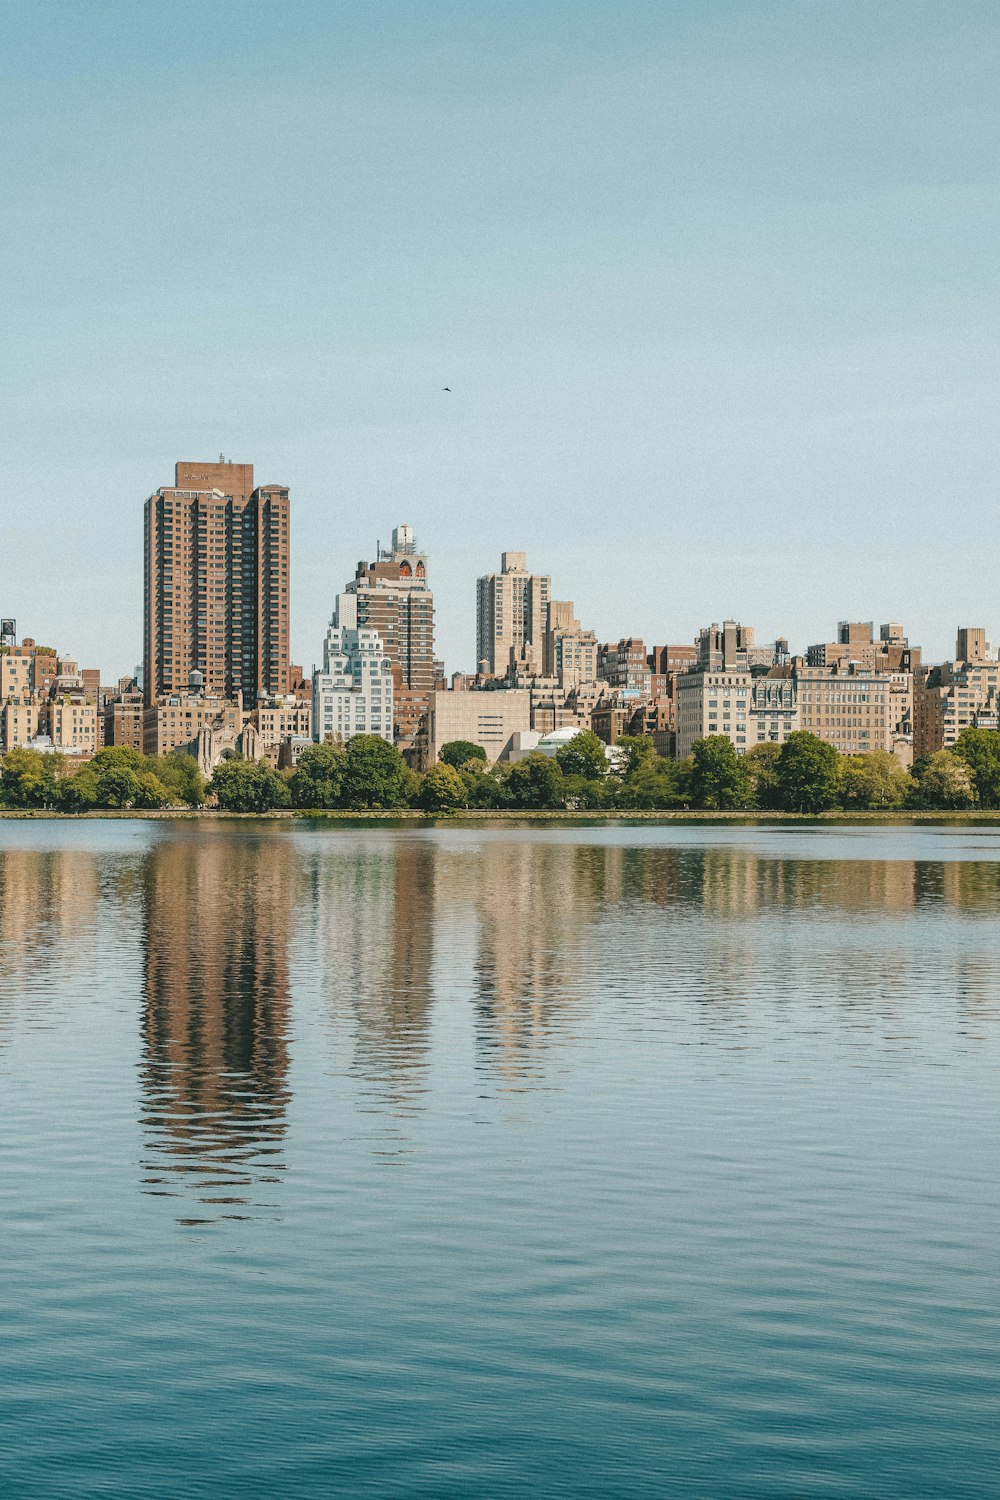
[{"x": 457, "y": 1160}]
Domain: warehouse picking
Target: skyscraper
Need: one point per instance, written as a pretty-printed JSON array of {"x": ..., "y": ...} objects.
[
  {"x": 216, "y": 583},
  {"x": 512, "y": 615},
  {"x": 394, "y": 600}
]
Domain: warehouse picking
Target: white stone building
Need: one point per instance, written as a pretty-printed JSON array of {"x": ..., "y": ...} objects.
[{"x": 353, "y": 692}]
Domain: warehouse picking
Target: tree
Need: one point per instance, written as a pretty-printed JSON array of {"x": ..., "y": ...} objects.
[
  {"x": 980, "y": 749},
  {"x": 459, "y": 753},
  {"x": 29, "y": 779},
  {"x": 78, "y": 792},
  {"x": 762, "y": 763},
  {"x": 657, "y": 784},
  {"x": 806, "y": 772},
  {"x": 943, "y": 780},
  {"x": 583, "y": 755},
  {"x": 442, "y": 789},
  {"x": 536, "y": 782},
  {"x": 375, "y": 774},
  {"x": 874, "y": 780},
  {"x": 120, "y": 785},
  {"x": 634, "y": 752},
  {"x": 318, "y": 779},
  {"x": 484, "y": 788},
  {"x": 719, "y": 777},
  {"x": 118, "y": 758},
  {"x": 248, "y": 786},
  {"x": 586, "y": 793},
  {"x": 179, "y": 773}
]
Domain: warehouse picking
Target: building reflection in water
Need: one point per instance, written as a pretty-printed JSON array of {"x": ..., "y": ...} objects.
[
  {"x": 217, "y": 922},
  {"x": 48, "y": 929},
  {"x": 373, "y": 929},
  {"x": 538, "y": 931}
]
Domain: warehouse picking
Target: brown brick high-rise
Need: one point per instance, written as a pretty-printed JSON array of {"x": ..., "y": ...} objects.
[{"x": 216, "y": 583}]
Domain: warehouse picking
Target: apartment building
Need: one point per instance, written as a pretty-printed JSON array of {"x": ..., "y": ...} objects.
[
  {"x": 216, "y": 591},
  {"x": 748, "y": 709}
]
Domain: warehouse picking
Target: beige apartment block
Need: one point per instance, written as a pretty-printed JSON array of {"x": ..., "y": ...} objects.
[
  {"x": 749, "y": 710},
  {"x": 18, "y": 722},
  {"x": 855, "y": 708},
  {"x": 952, "y": 697},
  {"x": 278, "y": 719},
  {"x": 71, "y": 723},
  {"x": 512, "y": 609},
  {"x": 488, "y": 719},
  {"x": 569, "y": 652},
  {"x": 177, "y": 720}
]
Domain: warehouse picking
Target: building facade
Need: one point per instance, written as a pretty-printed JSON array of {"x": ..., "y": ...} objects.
[
  {"x": 512, "y": 615},
  {"x": 353, "y": 692},
  {"x": 855, "y": 708},
  {"x": 747, "y": 709},
  {"x": 957, "y": 695},
  {"x": 487, "y": 718},
  {"x": 216, "y": 559},
  {"x": 394, "y": 600}
]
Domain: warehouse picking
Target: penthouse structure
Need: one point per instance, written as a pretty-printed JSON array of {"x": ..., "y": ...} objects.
[
  {"x": 216, "y": 561},
  {"x": 856, "y": 643}
]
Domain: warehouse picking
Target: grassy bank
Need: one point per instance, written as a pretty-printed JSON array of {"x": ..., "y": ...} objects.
[{"x": 411, "y": 816}]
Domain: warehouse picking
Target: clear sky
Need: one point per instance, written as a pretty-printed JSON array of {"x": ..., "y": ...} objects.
[{"x": 714, "y": 286}]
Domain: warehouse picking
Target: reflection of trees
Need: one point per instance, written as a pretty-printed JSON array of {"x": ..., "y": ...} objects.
[{"x": 217, "y": 921}]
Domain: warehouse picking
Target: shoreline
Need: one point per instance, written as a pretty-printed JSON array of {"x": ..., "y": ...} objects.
[{"x": 497, "y": 815}]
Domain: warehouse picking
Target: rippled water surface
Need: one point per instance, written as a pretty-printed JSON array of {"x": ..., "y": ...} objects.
[{"x": 589, "y": 1161}]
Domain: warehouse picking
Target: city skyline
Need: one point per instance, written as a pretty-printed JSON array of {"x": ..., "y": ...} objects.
[{"x": 708, "y": 357}]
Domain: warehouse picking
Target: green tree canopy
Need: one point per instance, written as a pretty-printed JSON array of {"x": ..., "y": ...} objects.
[
  {"x": 875, "y": 780},
  {"x": 442, "y": 789},
  {"x": 762, "y": 763},
  {"x": 807, "y": 773},
  {"x": 180, "y": 775},
  {"x": 485, "y": 788},
  {"x": 375, "y": 774},
  {"x": 657, "y": 784},
  {"x": 980, "y": 749},
  {"x": 536, "y": 782},
  {"x": 248, "y": 786},
  {"x": 318, "y": 779},
  {"x": 634, "y": 752},
  {"x": 459, "y": 753},
  {"x": 583, "y": 755},
  {"x": 943, "y": 780},
  {"x": 30, "y": 779},
  {"x": 719, "y": 776}
]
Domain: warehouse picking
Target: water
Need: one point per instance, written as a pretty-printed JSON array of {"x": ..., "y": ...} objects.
[{"x": 450, "y": 1161}]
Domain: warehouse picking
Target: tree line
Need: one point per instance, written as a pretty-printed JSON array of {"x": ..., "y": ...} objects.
[{"x": 803, "y": 775}]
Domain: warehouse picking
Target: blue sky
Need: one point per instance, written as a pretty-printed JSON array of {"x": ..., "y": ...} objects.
[{"x": 713, "y": 284}]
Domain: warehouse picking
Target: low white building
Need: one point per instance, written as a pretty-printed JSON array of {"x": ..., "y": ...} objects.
[{"x": 352, "y": 693}]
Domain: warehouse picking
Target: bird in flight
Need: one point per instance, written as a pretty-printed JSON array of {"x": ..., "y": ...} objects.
[{"x": 447, "y": 388}]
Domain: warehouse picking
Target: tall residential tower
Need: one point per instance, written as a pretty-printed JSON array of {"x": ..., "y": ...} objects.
[
  {"x": 395, "y": 601},
  {"x": 216, "y": 583}
]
